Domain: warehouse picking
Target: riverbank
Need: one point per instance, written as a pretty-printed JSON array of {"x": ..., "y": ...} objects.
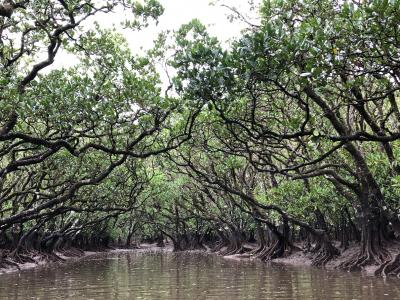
[
  {"x": 297, "y": 258},
  {"x": 155, "y": 273},
  {"x": 302, "y": 259},
  {"x": 40, "y": 260}
]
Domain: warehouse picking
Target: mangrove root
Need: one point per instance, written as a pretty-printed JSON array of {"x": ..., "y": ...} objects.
[
  {"x": 390, "y": 267},
  {"x": 365, "y": 257}
]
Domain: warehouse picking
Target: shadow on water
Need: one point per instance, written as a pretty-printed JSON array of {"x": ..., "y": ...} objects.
[{"x": 156, "y": 275}]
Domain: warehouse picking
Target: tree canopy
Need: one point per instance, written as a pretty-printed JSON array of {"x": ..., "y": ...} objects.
[{"x": 289, "y": 137}]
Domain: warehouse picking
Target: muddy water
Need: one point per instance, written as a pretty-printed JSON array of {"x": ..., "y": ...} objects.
[{"x": 135, "y": 275}]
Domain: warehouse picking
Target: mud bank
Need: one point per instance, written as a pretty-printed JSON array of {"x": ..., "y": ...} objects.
[
  {"x": 54, "y": 259},
  {"x": 297, "y": 258}
]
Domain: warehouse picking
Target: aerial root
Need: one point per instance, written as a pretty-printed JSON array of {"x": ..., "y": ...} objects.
[
  {"x": 51, "y": 256},
  {"x": 257, "y": 250},
  {"x": 11, "y": 263},
  {"x": 276, "y": 250},
  {"x": 57, "y": 257},
  {"x": 231, "y": 250},
  {"x": 21, "y": 258},
  {"x": 8, "y": 262},
  {"x": 390, "y": 268},
  {"x": 365, "y": 257},
  {"x": 324, "y": 253},
  {"x": 219, "y": 245}
]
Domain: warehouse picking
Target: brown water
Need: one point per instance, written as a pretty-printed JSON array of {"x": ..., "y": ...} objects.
[{"x": 135, "y": 275}]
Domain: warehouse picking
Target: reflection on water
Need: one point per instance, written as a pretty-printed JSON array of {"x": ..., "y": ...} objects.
[{"x": 135, "y": 275}]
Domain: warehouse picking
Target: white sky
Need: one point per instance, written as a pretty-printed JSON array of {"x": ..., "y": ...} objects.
[{"x": 178, "y": 12}]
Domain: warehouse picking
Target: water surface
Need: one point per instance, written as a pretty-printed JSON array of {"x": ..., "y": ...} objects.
[{"x": 138, "y": 275}]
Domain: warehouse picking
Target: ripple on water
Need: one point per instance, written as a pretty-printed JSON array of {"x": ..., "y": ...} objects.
[{"x": 135, "y": 275}]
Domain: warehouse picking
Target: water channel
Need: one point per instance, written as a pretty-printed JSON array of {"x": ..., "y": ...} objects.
[{"x": 163, "y": 275}]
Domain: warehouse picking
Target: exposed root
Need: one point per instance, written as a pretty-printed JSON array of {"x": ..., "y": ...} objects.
[
  {"x": 6, "y": 261},
  {"x": 231, "y": 250},
  {"x": 323, "y": 251},
  {"x": 21, "y": 258},
  {"x": 52, "y": 257},
  {"x": 276, "y": 250},
  {"x": 9, "y": 262},
  {"x": 57, "y": 258},
  {"x": 218, "y": 246},
  {"x": 257, "y": 250},
  {"x": 323, "y": 254},
  {"x": 366, "y": 257},
  {"x": 268, "y": 253},
  {"x": 390, "y": 267}
]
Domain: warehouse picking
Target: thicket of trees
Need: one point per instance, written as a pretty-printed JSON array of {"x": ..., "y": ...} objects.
[{"x": 290, "y": 138}]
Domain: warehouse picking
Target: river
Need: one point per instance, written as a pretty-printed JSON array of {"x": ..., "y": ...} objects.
[{"x": 157, "y": 275}]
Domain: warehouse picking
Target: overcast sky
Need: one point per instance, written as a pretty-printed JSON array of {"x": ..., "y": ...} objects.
[{"x": 178, "y": 12}]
